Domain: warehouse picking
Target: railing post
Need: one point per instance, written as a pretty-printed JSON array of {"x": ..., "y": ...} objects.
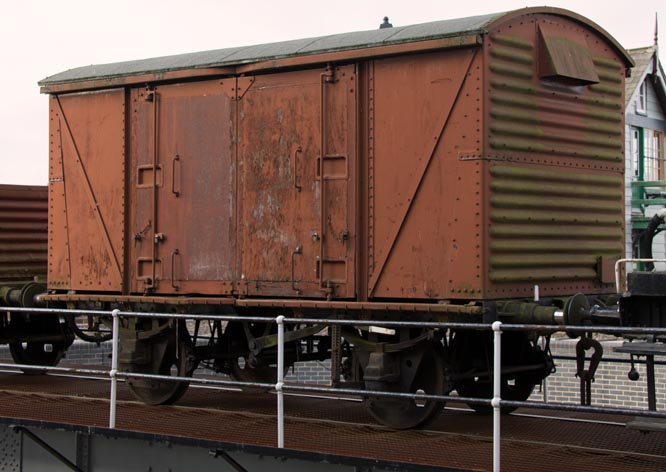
[
  {"x": 544, "y": 382},
  {"x": 280, "y": 381},
  {"x": 114, "y": 369},
  {"x": 497, "y": 393}
]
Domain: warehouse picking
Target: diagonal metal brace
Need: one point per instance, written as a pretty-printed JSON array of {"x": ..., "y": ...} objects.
[
  {"x": 230, "y": 460},
  {"x": 47, "y": 447},
  {"x": 271, "y": 340}
]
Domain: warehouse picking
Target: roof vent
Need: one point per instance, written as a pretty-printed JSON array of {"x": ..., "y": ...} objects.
[
  {"x": 385, "y": 24},
  {"x": 565, "y": 57}
]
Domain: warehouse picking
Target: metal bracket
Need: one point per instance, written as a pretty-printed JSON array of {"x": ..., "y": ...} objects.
[
  {"x": 329, "y": 74},
  {"x": 149, "y": 95},
  {"x": 606, "y": 269},
  {"x": 386, "y": 368},
  {"x": 587, "y": 375},
  {"x": 236, "y": 87},
  {"x": 271, "y": 340},
  {"x": 361, "y": 343},
  {"x": 472, "y": 157},
  {"x": 243, "y": 84}
]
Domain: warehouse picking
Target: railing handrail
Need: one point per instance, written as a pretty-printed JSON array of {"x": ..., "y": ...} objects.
[
  {"x": 376, "y": 322},
  {"x": 343, "y": 391},
  {"x": 280, "y": 386},
  {"x": 648, "y": 183},
  {"x": 626, "y": 261}
]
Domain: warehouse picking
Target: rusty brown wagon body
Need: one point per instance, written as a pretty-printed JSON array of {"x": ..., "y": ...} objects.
[
  {"x": 410, "y": 170},
  {"x": 453, "y": 160}
]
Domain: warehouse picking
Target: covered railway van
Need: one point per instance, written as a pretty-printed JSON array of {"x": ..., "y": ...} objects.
[
  {"x": 23, "y": 236},
  {"x": 430, "y": 172},
  {"x": 23, "y": 269}
]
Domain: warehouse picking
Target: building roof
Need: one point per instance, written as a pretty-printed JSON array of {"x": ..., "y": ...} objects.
[
  {"x": 237, "y": 56},
  {"x": 645, "y": 69}
]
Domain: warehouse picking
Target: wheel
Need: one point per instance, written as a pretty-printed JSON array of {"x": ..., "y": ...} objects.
[
  {"x": 37, "y": 353},
  {"x": 162, "y": 392},
  {"x": 428, "y": 379},
  {"x": 242, "y": 372},
  {"x": 518, "y": 389},
  {"x": 471, "y": 358},
  {"x": 240, "y": 336},
  {"x": 45, "y": 353},
  {"x": 169, "y": 355}
]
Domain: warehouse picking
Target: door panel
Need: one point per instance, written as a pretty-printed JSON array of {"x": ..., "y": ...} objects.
[
  {"x": 184, "y": 218},
  {"x": 86, "y": 189},
  {"x": 286, "y": 229},
  {"x": 338, "y": 174},
  {"x": 426, "y": 116},
  {"x": 145, "y": 176}
]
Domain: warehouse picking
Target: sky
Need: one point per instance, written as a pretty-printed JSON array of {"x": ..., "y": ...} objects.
[{"x": 39, "y": 38}]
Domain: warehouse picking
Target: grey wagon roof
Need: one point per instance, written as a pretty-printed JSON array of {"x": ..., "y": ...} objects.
[{"x": 285, "y": 49}]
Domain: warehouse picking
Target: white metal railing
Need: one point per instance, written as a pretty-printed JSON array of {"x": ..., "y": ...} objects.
[
  {"x": 623, "y": 262},
  {"x": 280, "y": 381},
  {"x": 497, "y": 392},
  {"x": 496, "y": 402},
  {"x": 113, "y": 373}
]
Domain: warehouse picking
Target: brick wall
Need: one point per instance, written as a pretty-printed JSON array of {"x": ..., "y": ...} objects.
[
  {"x": 89, "y": 353},
  {"x": 611, "y": 387},
  {"x": 79, "y": 353},
  {"x": 314, "y": 372}
]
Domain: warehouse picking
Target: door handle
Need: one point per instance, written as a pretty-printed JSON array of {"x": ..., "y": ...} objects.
[
  {"x": 174, "y": 253},
  {"x": 298, "y": 250},
  {"x": 173, "y": 176},
  {"x": 298, "y": 150}
]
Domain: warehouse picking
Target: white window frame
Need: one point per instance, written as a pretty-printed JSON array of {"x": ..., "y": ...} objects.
[{"x": 641, "y": 100}]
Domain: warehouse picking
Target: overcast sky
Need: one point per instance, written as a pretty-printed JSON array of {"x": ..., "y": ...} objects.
[{"x": 39, "y": 38}]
